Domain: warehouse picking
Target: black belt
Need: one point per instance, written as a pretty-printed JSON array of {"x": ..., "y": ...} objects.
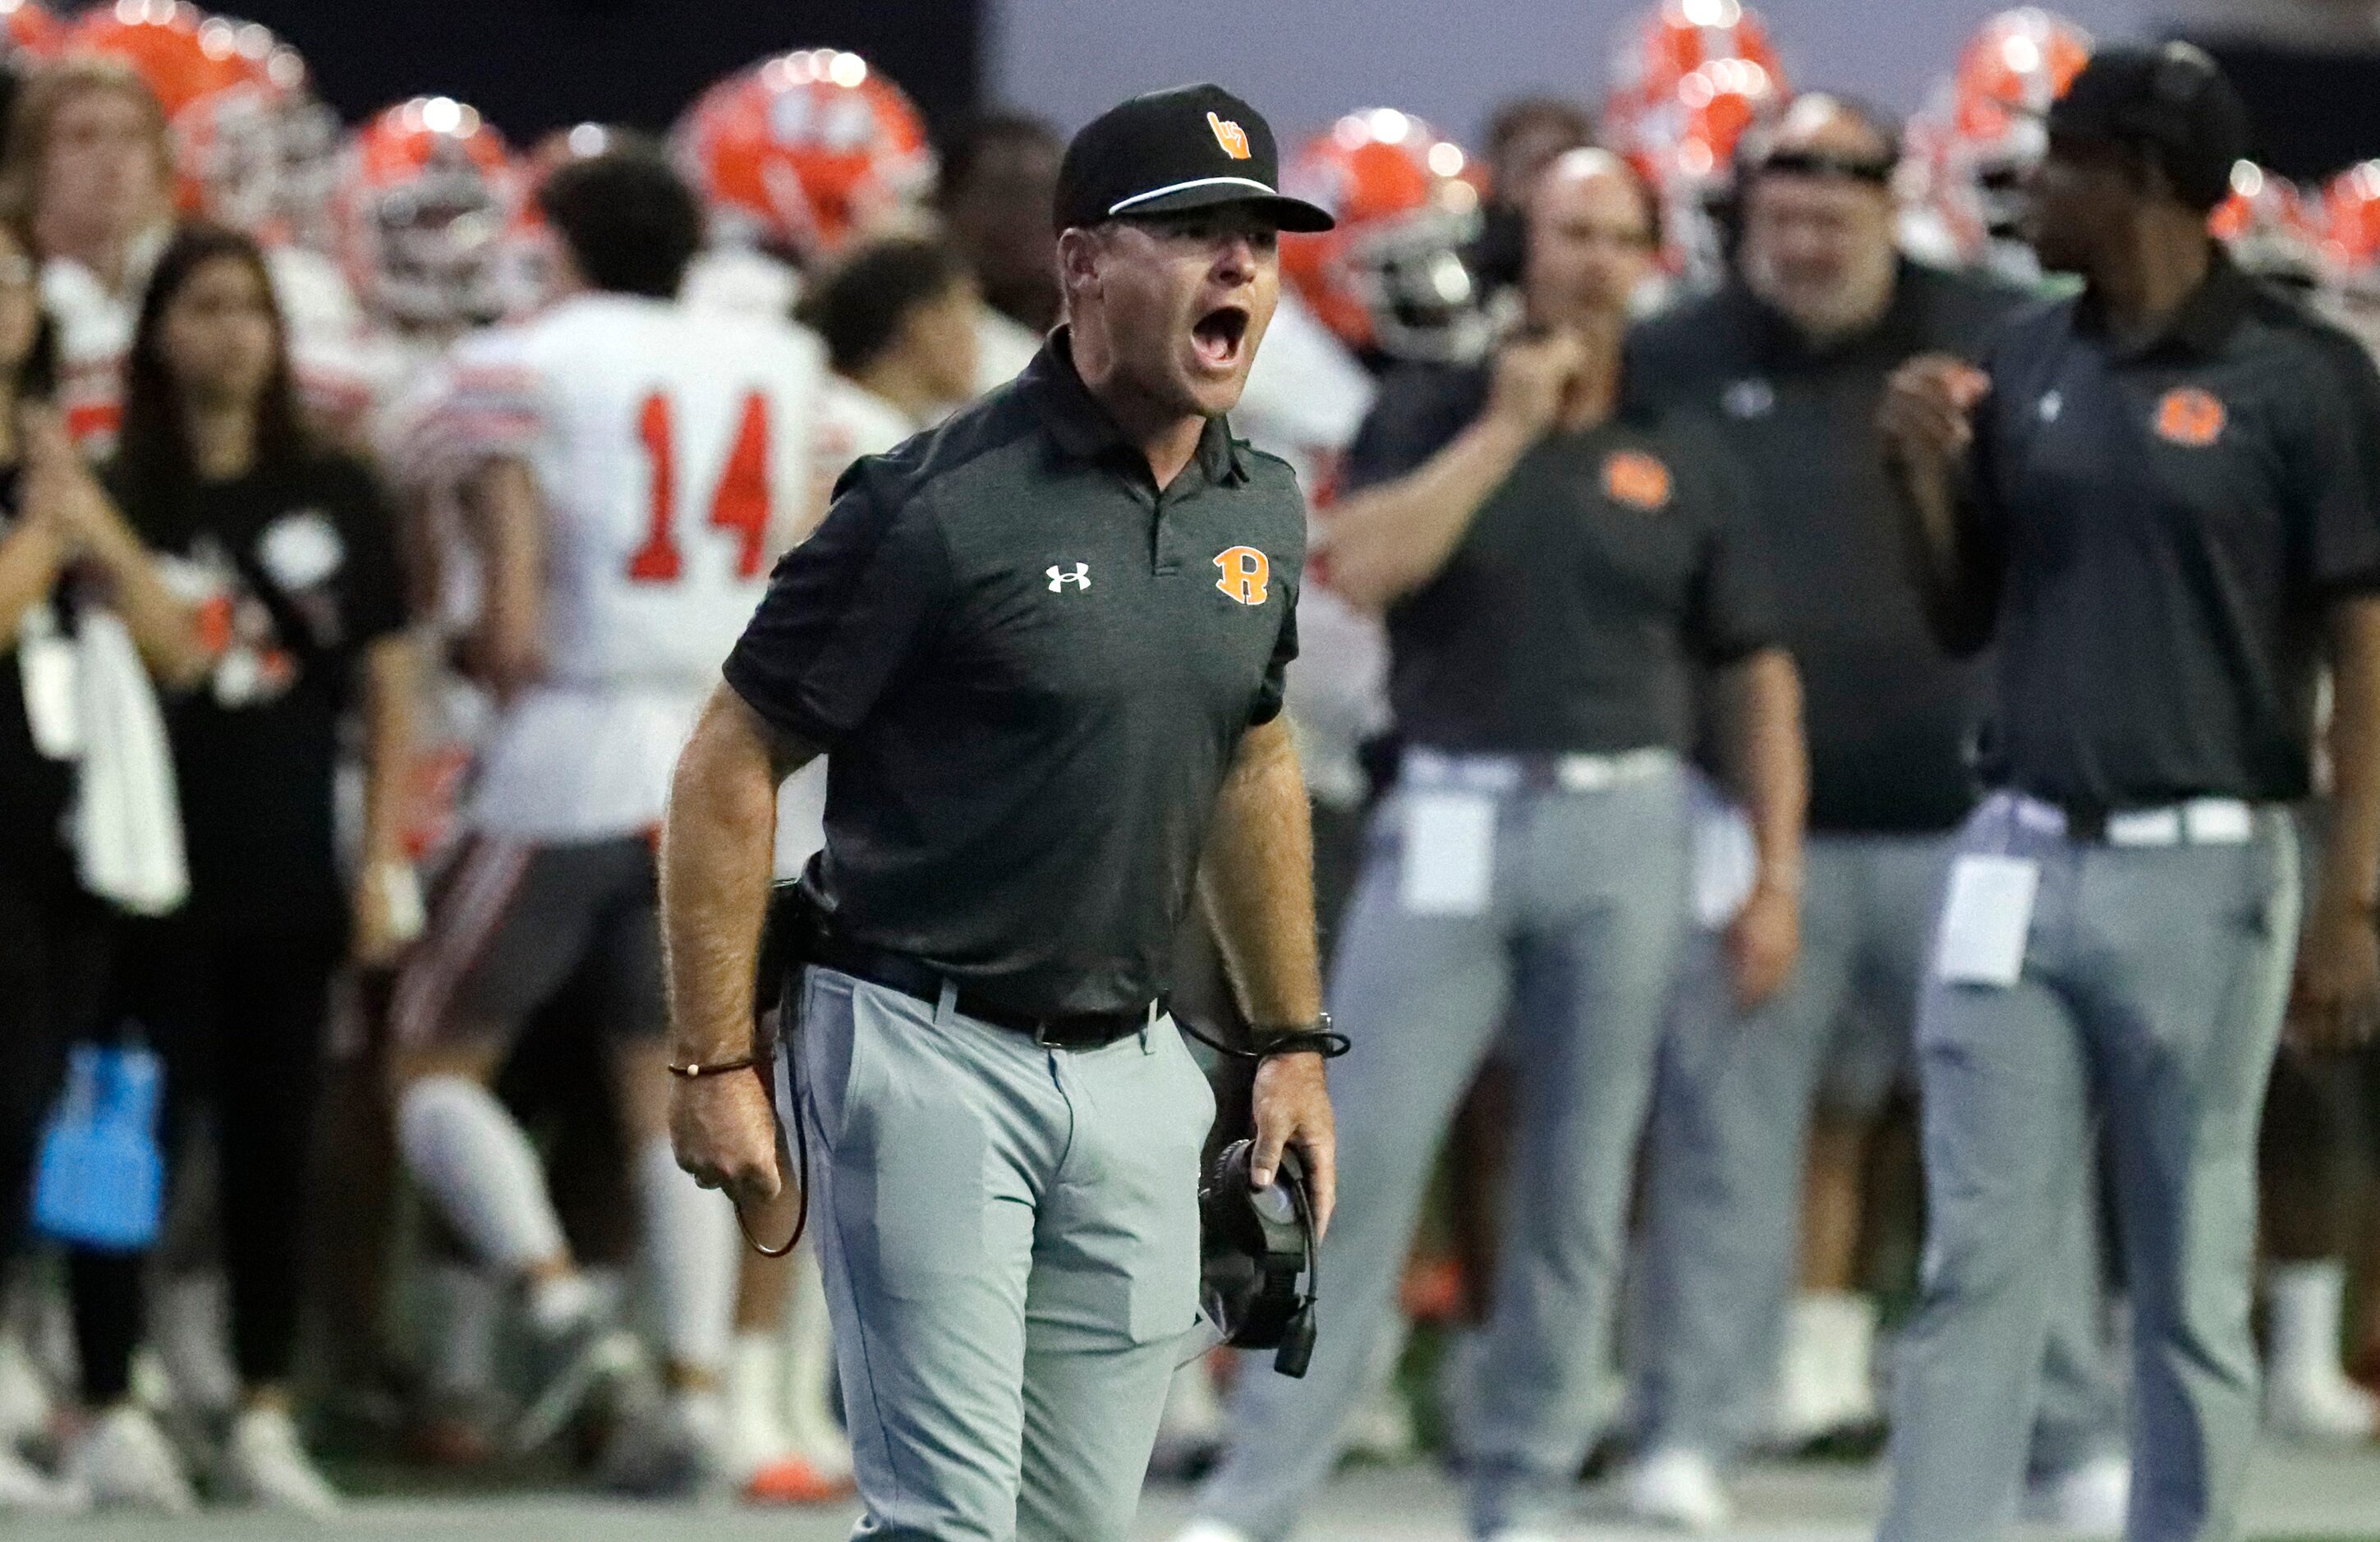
[{"x": 1079, "y": 1030}]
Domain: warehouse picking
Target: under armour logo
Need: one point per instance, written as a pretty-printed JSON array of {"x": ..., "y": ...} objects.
[
  {"x": 1750, "y": 398},
  {"x": 2052, "y": 405},
  {"x": 1059, "y": 577}
]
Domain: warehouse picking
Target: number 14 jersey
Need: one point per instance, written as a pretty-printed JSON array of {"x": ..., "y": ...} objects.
[{"x": 671, "y": 448}]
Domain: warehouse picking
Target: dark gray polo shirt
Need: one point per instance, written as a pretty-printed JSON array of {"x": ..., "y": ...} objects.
[
  {"x": 2155, "y": 532},
  {"x": 1030, "y": 670},
  {"x": 1890, "y": 717},
  {"x": 1573, "y": 614}
]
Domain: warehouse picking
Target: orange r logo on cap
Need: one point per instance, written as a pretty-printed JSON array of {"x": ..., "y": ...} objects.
[
  {"x": 1634, "y": 478},
  {"x": 2191, "y": 417},
  {"x": 1229, "y": 135},
  {"x": 1245, "y": 573}
]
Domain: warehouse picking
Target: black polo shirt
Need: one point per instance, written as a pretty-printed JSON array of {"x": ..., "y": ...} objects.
[
  {"x": 1890, "y": 715},
  {"x": 1030, "y": 670},
  {"x": 1573, "y": 614},
  {"x": 2156, "y": 530}
]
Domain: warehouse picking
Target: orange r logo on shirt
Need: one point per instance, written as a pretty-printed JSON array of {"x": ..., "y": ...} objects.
[{"x": 1245, "y": 573}]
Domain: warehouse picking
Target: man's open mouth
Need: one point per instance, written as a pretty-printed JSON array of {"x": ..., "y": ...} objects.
[{"x": 1218, "y": 335}]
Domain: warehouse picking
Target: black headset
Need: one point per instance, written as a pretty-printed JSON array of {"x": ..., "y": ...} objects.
[{"x": 1256, "y": 1244}]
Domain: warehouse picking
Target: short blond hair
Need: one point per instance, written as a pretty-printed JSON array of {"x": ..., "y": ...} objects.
[{"x": 43, "y": 97}]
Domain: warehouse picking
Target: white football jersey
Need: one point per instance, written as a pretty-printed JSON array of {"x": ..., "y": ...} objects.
[
  {"x": 741, "y": 281},
  {"x": 1306, "y": 397},
  {"x": 1003, "y": 346},
  {"x": 672, "y": 448},
  {"x": 853, "y": 422}
]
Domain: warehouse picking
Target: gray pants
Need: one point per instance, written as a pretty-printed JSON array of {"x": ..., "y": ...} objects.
[
  {"x": 1731, "y": 1129},
  {"x": 1009, "y": 1236},
  {"x": 2151, "y": 998},
  {"x": 1579, "y": 937}
]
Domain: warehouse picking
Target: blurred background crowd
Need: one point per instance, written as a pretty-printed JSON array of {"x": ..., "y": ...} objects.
[{"x": 222, "y": 302}]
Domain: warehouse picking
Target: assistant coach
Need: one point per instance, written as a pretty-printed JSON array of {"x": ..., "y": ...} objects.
[
  {"x": 2159, "y": 500},
  {"x": 1043, "y": 646}
]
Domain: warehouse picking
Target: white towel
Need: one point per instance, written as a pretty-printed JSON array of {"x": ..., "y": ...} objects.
[{"x": 128, "y": 822}]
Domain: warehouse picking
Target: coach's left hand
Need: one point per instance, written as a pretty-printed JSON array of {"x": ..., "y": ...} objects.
[
  {"x": 1292, "y": 1108},
  {"x": 725, "y": 1134}
]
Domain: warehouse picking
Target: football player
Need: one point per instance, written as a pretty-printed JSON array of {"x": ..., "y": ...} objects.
[{"x": 636, "y": 463}]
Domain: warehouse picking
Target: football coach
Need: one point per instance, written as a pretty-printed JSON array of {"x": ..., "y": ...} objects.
[{"x": 1043, "y": 646}]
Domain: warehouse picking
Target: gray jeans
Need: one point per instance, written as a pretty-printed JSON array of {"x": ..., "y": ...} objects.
[
  {"x": 1578, "y": 936},
  {"x": 1731, "y": 1130},
  {"x": 2151, "y": 998},
  {"x": 1009, "y": 1235}
]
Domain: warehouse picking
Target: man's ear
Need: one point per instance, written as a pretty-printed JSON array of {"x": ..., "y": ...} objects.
[{"x": 1078, "y": 261}]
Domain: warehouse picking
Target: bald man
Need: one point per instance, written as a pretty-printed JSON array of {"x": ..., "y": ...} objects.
[
  {"x": 1786, "y": 364},
  {"x": 1555, "y": 571}
]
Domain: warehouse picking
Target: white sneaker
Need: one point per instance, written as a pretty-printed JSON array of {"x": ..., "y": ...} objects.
[
  {"x": 125, "y": 1460},
  {"x": 1825, "y": 1378},
  {"x": 1381, "y": 1429},
  {"x": 1677, "y": 1487},
  {"x": 2320, "y": 1407},
  {"x": 24, "y": 1399},
  {"x": 265, "y": 1464},
  {"x": 24, "y": 1491},
  {"x": 1211, "y": 1531},
  {"x": 192, "y": 1334},
  {"x": 576, "y": 1351},
  {"x": 2088, "y": 1500}
]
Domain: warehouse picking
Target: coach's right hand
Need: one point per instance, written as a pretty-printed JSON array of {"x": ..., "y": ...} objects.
[
  {"x": 1533, "y": 376},
  {"x": 725, "y": 1134},
  {"x": 1926, "y": 416}
]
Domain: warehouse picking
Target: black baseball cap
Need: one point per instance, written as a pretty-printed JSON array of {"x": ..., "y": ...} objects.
[
  {"x": 2172, "y": 106},
  {"x": 1192, "y": 147}
]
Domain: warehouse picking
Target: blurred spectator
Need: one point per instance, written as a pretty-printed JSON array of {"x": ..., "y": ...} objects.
[
  {"x": 89, "y": 158},
  {"x": 899, "y": 320},
  {"x": 289, "y": 548},
  {"x": 1524, "y": 136},
  {"x": 63, "y": 552},
  {"x": 1000, "y": 177}
]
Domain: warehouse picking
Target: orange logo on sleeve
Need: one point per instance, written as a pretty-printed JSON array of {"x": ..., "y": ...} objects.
[
  {"x": 1229, "y": 135},
  {"x": 2189, "y": 416},
  {"x": 1246, "y": 572},
  {"x": 1634, "y": 478}
]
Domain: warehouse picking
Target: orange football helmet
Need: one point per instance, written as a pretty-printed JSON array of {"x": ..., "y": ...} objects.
[
  {"x": 1987, "y": 126},
  {"x": 1690, "y": 77},
  {"x": 427, "y": 194},
  {"x": 799, "y": 150},
  {"x": 2270, "y": 227},
  {"x": 29, "y": 29},
  {"x": 215, "y": 80},
  {"x": 2351, "y": 230},
  {"x": 1392, "y": 275}
]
